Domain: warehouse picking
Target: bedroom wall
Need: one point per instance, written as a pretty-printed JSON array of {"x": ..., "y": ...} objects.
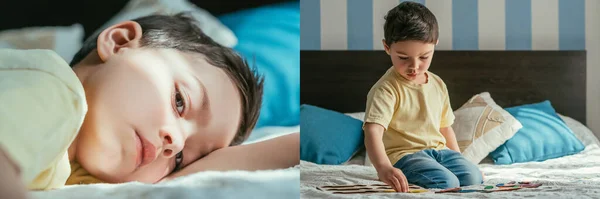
[{"x": 468, "y": 25}]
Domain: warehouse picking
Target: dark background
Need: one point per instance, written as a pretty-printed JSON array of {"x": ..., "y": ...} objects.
[{"x": 92, "y": 14}]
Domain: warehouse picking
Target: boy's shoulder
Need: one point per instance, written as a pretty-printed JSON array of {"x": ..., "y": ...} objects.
[
  {"x": 33, "y": 59},
  {"x": 29, "y": 59},
  {"x": 386, "y": 81},
  {"x": 41, "y": 62}
]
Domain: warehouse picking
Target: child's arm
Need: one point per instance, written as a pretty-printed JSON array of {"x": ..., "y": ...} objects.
[
  {"x": 11, "y": 185},
  {"x": 385, "y": 170},
  {"x": 451, "y": 142},
  {"x": 277, "y": 153},
  {"x": 374, "y": 145}
]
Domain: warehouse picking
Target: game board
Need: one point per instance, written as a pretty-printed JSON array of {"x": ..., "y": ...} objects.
[
  {"x": 383, "y": 188},
  {"x": 363, "y": 189}
]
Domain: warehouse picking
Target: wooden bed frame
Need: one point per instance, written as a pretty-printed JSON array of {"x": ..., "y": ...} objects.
[{"x": 340, "y": 80}]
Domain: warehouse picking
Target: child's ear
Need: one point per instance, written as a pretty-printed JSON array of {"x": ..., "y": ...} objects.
[
  {"x": 126, "y": 34},
  {"x": 385, "y": 46},
  {"x": 437, "y": 42}
]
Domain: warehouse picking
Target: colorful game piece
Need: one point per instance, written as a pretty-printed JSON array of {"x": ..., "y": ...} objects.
[
  {"x": 450, "y": 190},
  {"x": 506, "y": 185},
  {"x": 535, "y": 185},
  {"x": 523, "y": 184},
  {"x": 507, "y": 189},
  {"x": 470, "y": 191},
  {"x": 489, "y": 187}
]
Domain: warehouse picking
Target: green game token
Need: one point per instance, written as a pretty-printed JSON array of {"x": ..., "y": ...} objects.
[{"x": 489, "y": 187}]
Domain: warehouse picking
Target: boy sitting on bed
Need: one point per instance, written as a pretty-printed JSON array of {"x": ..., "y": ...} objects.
[
  {"x": 408, "y": 133},
  {"x": 146, "y": 100}
]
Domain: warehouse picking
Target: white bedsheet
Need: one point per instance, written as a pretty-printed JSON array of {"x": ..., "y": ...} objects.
[
  {"x": 276, "y": 184},
  {"x": 576, "y": 176}
]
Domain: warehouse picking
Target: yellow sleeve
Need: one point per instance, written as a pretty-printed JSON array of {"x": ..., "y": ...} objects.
[
  {"x": 381, "y": 103},
  {"x": 39, "y": 117},
  {"x": 447, "y": 113},
  {"x": 80, "y": 176}
]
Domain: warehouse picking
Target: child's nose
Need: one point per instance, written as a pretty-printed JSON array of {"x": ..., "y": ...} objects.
[
  {"x": 172, "y": 144},
  {"x": 414, "y": 64}
]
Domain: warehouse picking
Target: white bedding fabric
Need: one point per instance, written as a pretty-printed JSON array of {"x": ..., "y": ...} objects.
[
  {"x": 575, "y": 176},
  {"x": 276, "y": 184}
]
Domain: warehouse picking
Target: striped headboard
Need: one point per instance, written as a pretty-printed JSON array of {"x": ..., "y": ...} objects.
[{"x": 464, "y": 24}]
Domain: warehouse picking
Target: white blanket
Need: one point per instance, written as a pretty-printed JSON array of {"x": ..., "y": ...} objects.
[
  {"x": 576, "y": 176},
  {"x": 274, "y": 184}
]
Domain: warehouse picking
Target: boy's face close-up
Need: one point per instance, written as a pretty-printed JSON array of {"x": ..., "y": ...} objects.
[
  {"x": 410, "y": 58},
  {"x": 145, "y": 105}
]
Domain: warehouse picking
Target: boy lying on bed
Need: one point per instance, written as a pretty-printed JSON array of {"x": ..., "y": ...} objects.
[
  {"x": 408, "y": 133},
  {"x": 147, "y": 100}
]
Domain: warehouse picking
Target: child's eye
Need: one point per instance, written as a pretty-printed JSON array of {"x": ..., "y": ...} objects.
[
  {"x": 403, "y": 58},
  {"x": 179, "y": 102},
  {"x": 178, "y": 161},
  {"x": 424, "y": 57}
]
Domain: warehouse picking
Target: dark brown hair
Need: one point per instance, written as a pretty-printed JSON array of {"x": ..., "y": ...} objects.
[
  {"x": 410, "y": 21},
  {"x": 181, "y": 32}
]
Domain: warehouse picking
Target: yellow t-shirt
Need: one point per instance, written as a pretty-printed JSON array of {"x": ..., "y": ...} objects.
[
  {"x": 42, "y": 107},
  {"x": 412, "y": 114}
]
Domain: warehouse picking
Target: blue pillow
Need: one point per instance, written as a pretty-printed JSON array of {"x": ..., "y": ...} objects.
[
  {"x": 328, "y": 137},
  {"x": 269, "y": 38},
  {"x": 544, "y": 136}
]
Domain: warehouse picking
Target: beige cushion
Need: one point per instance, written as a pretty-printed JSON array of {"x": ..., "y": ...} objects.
[{"x": 481, "y": 126}]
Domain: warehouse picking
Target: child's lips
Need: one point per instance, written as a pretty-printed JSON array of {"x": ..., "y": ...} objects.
[
  {"x": 146, "y": 151},
  {"x": 139, "y": 149},
  {"x": 411, "y": 73}
]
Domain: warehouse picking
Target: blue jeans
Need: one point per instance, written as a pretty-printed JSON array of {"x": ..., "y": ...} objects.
[{"x": 439, "y": 169}]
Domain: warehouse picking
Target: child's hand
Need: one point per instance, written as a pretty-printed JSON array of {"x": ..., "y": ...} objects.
[{"x": 394, "y": 177}]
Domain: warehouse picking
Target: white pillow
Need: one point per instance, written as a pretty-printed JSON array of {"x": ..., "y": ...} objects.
[
  {"x": 583, "y": 133},
  {"x": 481, "y": 126},
  {"x": 64, "y": 40},
  {"x": 210, "y": 25},
  {"x": 270, "y": 132},
  {"x": 357, "y": 115}
]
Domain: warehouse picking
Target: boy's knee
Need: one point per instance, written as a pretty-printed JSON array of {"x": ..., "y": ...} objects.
[
  {"x": 442, "y": 180},
  {"x": 471, "y": 178},
  {"x": 449, "y": 181}
]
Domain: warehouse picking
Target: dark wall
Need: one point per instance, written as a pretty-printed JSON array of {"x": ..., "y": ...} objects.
[{"x": 93, "y": 13}]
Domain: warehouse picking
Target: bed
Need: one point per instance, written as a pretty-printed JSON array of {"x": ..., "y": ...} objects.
[
  {"x": 62, "y": 26},
  {"x": 511, "y": 77}
]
